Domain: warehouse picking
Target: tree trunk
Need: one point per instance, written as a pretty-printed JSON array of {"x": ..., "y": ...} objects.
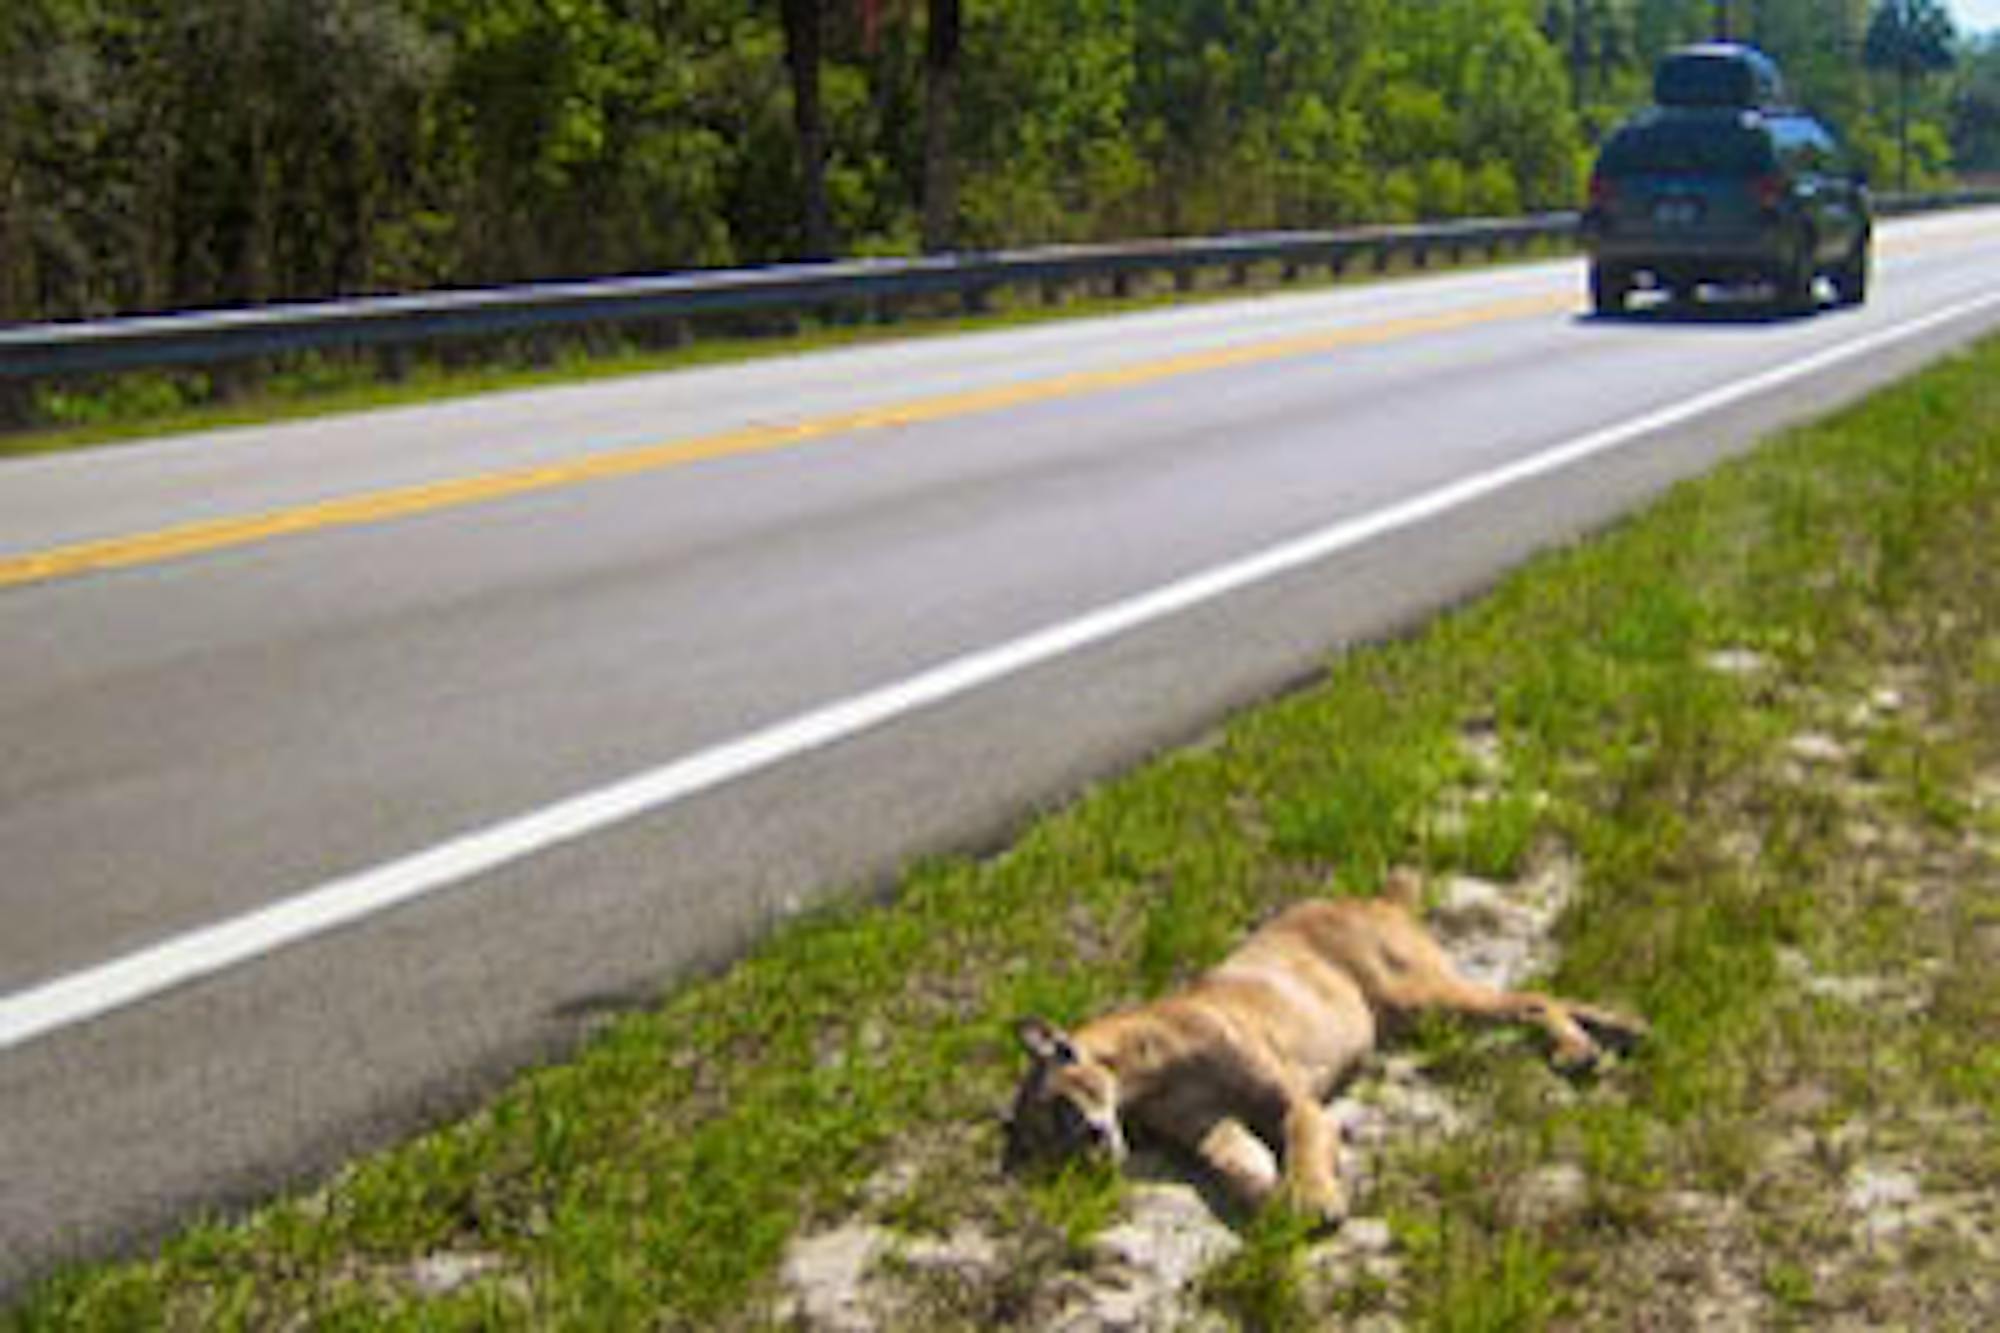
[
  {"x": 1903, "y": 76},
  {"x": 1579, "y": 52},
  {"x": 255, "y": 283},
  {"x": 941, "y": 60},
  {"x": 803, "y": 31},
  {"x": 16, "y": 257}
]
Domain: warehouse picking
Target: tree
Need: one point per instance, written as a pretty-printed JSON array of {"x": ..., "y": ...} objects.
[
  {"x": 1660, "y": 24},
  {"x": 805, "y": 31},
  {"x": 1815, "y": 42},
  {"x": 1052, "y": 145},
  {"x": 158, "y": 155},
  {"x": 1975, "y": 109},
  {"x": 1909, "y": 38},
  {"x": 1513, "y": 110},
  {"x": 27, "y": 40},
  {"x": 942, "y": 44},
  {"x": 1608, "y": 44},
  {"x": 1598, "y": 40}
]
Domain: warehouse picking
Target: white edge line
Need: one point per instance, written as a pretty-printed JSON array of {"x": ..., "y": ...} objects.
[{"x": 99, "y": 990}]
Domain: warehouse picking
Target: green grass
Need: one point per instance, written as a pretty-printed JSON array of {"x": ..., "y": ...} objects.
[
  {"x": 1261, "y": 1286},
  {"x": 656, "y": 1181}
]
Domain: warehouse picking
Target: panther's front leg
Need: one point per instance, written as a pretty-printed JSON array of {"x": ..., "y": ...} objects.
[
  {"x": 1216, "y": 1128},
  {"x": 1239, "y": 1159},
  {"x": 1312, "y": 1161}
]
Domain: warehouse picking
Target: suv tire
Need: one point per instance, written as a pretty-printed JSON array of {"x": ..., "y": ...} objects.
[
  {"x": 1850, "y": 280},
  {"x": 1610, "y": 287},
  {"x": 1795, "y": 295}
]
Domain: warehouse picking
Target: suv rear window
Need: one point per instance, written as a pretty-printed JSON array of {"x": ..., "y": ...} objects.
[{"x": 1709, "y": 147}]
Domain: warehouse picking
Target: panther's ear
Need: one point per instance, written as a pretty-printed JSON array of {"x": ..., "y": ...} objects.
[{"x": 1046, "y": 1042}]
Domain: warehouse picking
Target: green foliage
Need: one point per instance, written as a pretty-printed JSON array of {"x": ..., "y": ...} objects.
[
  {"x": 1975, "y": 108},
  {"x": 1492, "y": 1284},
  {"x": 1908, "y": 40},
  {"x": 132, "y": 396},
  {"x": 1911, "y": 36},
  {"x": 219, "y": 151},
  {"x": 1048, "y": 91},
  {"x": 1261, "y": 1286},
  {"x": 1080, "y": 1200}
]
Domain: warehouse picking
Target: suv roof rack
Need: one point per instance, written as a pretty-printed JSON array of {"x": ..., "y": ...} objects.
[{"x": 1717, "y": 75}]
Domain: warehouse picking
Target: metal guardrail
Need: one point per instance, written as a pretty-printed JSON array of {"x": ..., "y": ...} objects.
[
  {"x": 1936, "y": 201},
  {"x": 46, "y": 351},
  {"x": 49, "y": 351}
]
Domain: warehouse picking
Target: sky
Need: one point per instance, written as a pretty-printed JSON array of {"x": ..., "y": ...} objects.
[{"x": 1975, "y": 15}]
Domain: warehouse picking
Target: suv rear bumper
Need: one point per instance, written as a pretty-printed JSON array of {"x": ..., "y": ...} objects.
[{"x": 1678, "y": 258}]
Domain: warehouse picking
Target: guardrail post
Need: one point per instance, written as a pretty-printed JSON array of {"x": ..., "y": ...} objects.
[
  {"x": 233, "y": 381},
  {"x": 392, "y": 363},
  {"x": 17, "y": 405},
  {"x": 674, "y": 334}
]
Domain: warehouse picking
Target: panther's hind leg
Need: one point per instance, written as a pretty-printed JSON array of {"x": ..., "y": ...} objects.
[
  {"x": 1611, "y": 1029},
  {"x": 1404, "y": 969},
  {"x": 1312, "y": 1160},
  {"x": 1575, "y": 1030}
]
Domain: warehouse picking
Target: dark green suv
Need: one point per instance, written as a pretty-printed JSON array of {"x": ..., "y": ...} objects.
[{"x": 1703, "y": 192}]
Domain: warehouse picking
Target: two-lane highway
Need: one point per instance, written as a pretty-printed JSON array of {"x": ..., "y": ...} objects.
[{"x": 350, "y": 764}]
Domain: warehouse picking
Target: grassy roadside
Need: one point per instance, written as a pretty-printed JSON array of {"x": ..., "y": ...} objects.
[
  {"x": 142, "y": 406},
  {"x": 1763, "y": 723}
]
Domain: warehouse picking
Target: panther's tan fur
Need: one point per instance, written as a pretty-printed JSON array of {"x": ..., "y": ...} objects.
[{"x": 1246, "y": 1056}]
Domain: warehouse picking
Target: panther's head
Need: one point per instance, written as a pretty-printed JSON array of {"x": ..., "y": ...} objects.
[{"x": 1067, "y": 1104}]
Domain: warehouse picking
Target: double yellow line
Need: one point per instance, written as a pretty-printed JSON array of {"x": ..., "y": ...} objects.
[{"x": 384, "y": 506}]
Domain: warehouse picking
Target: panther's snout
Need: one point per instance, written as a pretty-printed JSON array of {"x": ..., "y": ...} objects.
[{"x": 1107, "y": 1140}]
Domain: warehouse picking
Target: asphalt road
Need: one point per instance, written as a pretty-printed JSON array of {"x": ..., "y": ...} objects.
[{"x": 519, "y": 708}]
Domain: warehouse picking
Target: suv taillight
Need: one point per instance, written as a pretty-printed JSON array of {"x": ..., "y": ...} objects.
[
  {"x": 1603, "y": 194},
  {"x": 1768, "y": 192}
]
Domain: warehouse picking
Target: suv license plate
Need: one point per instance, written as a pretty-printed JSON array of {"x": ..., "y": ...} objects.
[{"x": 1676, "y": 212}]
